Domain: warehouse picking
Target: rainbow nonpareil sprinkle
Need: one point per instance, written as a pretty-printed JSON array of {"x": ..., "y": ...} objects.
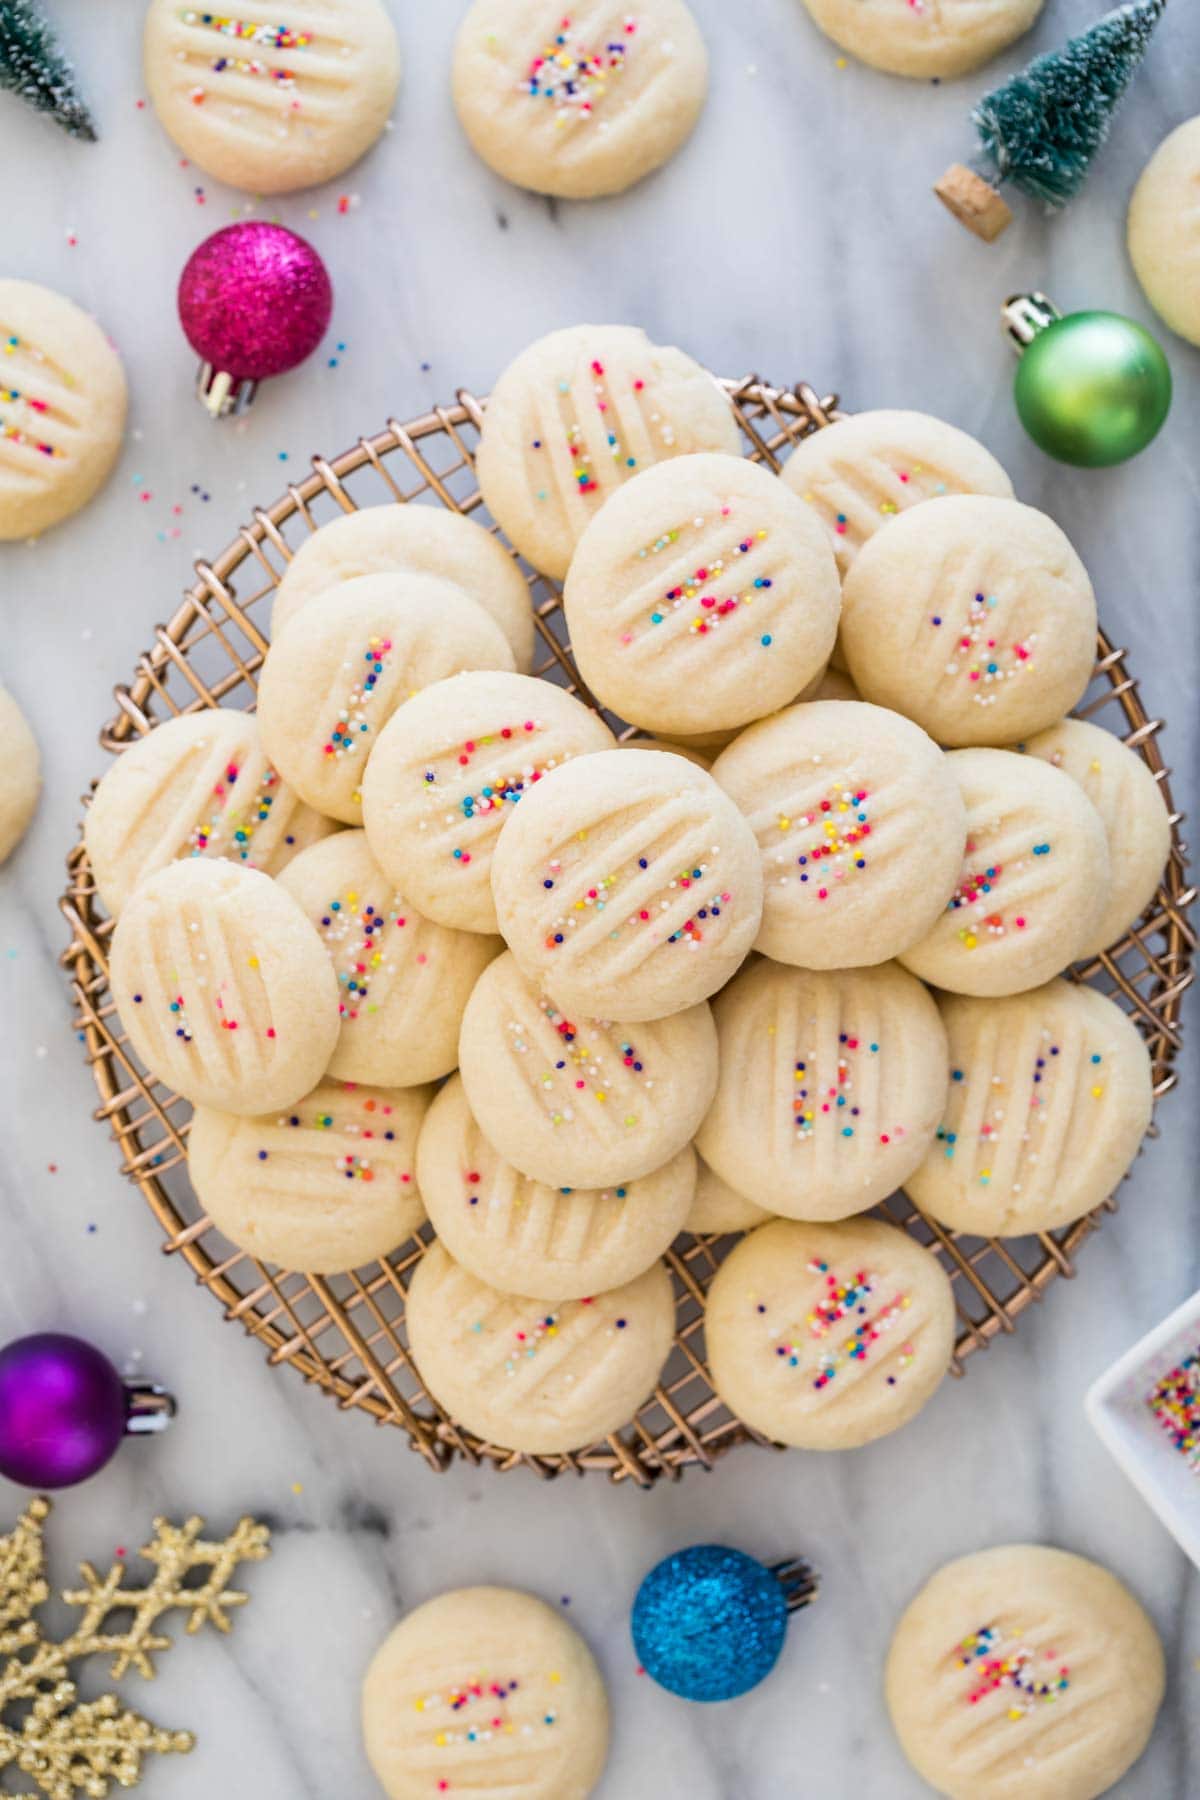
[
  {"x": 837, "y": 853},
  {"x": 356, "y": 934},
  {"x": 573, "y": 77},
  {"x": 1174, "y": 1400},
  {"x": 995, "y": 1664},
  {"x": 812, "y": 1099},
  {"x": 978, "y": 654},
  {"x": 345, "y": 736},
  {"x": 843, "y": 1299},
  {"x": 584, "y": 1069}
]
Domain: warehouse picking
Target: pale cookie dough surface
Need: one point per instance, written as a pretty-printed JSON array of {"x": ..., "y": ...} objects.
[
  {"x": 718, "y": 1208},
  {"x": 534, "y": 1376},
  {"x": 825, "y": 1337},
  {"x": 703, "y": 595},
  {"x": 859, "y": 473},
  {"x": 628, "y": 884},
  {"x": 941, "y": 38},
  {"x": 1034, "y": 880},
  {"x": 581, "y": 102},
  {"x": 272, "y": 107},
  {"x": 20, "y": 775},
  {"x": 1050, "y": 1096},
  {"x": 325, "y": 1185},
  {"x": 333, "y": 679},
  {"x": 1024, "y": 1673},
  {"x": 195, "y": 786},
  {"x": 1164, "y": 230},
  {"x": 446, "y": 776},
  {"x": 402, "y": 980},
  {"x": 62, "y": 408},
  {"x": 580, "y": 1102},
  {"x": 224, "y": 987},
  {"x": 831, "y": 1088},
  {"x": 552, "y": 1243},
  {"x": 861, "y": 827},
  {"x": 485, "y": 1691},
  {"x": 580, "y": 412},
  {"x": 414, "y": 540},
  {"x": 972, "y": 615},
  {"x": 834, "y": 684},
  {"x": 670, "y": 746}
]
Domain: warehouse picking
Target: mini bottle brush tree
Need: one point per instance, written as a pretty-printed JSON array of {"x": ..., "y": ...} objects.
[{"x": 33, "y": 68}]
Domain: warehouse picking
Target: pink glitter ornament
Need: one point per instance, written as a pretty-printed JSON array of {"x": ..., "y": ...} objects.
[{"x": 254, "y": 300}]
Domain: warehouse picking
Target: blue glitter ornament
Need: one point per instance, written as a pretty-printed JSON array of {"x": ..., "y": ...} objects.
[{"x": 709, "y": 1622}]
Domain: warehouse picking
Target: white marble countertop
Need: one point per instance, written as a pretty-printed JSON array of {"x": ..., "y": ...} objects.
[{"x": 796, "y": 236}]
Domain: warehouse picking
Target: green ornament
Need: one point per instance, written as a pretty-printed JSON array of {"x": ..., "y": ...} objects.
[{"x": 1092, "y": 388}]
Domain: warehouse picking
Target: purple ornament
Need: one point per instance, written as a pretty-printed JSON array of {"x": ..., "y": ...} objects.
[
  {"x": 64, "y": 1409},
  {"x": 254, "y": 300}
]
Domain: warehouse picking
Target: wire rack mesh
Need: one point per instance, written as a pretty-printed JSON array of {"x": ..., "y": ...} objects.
[{"x": 346, "y": 1333}]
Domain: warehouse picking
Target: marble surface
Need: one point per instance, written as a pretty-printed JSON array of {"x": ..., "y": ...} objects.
[{"x": 795, "y": 236}]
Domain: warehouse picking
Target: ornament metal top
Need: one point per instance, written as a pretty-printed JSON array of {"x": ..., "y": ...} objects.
[{"x": 1092, "y": 388}]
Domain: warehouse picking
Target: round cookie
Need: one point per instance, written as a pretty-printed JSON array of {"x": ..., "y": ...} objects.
[
  {"x": 832, "y": 1085},
  {"x": 334, "y": 678},
  {"x": 718, "y": 1208},
  {"x": 529, "y": 1375},
  {"x": 1034, "y": 880},
  {"x": 1164, "y": 230},
  {"x": 628, "y": 884},
  {"x": 485, "y": 1691},
  {"x": 326, "y": 1185},
  {"x": 199, "y": 785},
  {"x": 412, "y": 540},
  {"x": 858, "y": 473},
  {"x": 269, "y": 107},
  {"x": 973, "y": 616},
  {"x": 62, "y": 408},
  {"x": 860, "y": 824},
  {"x": 1023, "y": 1673},
  {"x": 825, "y": 1337},
  {"x": 224, "y": 988},
  {"x": 402, "y": 980},
  {"x": 924, "y": 42},
  {"x": 20, "y": 775},
  {"x": 579, "y": 1102},
  {"x": 447, "y": 772},
  {"x": 1050, "y": 1096},
  {"x": 670, "y": 746},
  {"x": 702, "y": 596},
  {"x": 578, "y": 413},
  {"x": 526, "y": 1238},
  {"x": 578, "y": 107}
]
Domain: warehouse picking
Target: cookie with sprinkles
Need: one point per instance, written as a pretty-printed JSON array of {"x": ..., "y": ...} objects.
[
  {"x": 447, "y": 774},
  {"x": 402, "y": 980},
  {"x": 325, "y": 1185},
  {"x": 581, "y": 102},
  {"x": 20, "y": 775},
  {"x": 62, "y": 408},
  {"x": 267, "y": 105},
  {"x": 1024, "y": 1671},
  {"x": 541, "y": 1377},
  {"x": 577, "y": 414},
  {"x": 485, "y": 1691},
  {"x": 580, "y": 1102},
  {"x": 719, "y": 1208},
  {"x": 1050, "y": 1096},
  {"x": 974, "y": 616},
  {"x": 703, "y": 596},
  {"x": 224, "y": 987},
  {"x": 831, "y": 1088},
  {"x": 924, "y": 39}
]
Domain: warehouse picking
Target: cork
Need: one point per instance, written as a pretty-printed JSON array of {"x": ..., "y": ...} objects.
[{"x": 974, "y": 202}]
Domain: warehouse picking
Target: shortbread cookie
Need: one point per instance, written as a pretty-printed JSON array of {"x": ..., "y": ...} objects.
[
  {"x": 224, "y": 987},
  {"x": 447, "y": 773},
  {"x": 1024, "y": 1673},
  {"x": 702, "y": 596},
  {"x": 1034, "y": 882},
  {"x": 925, "y": 42},
  {"x": 20, "y": 775},
  {"x": 402, "y": 980},
  {"x": 326, "y": 1185},
  {"x": 718, "y": 1208},
  {"x": 860, "y": 472},
  {"x": 861, "y": 827},
  {"x": 577, "y": 414},
  {"x": 334, "y": 678},
  {"x": 196, "y": 786},
  {"x": 272, "y": 107},
  {"x": 552, "y": 1243},
  {"x": 1164, "y": 230},
  {"x": 485, "y": 1691},
  {"x": 832, "y": 1085},
  {"x": 972, "y": 615},
  {"x": 1050, "y": 1096},
  {"x": 827, "y": 1336},
  {"x": 412, "y": 540},
  {"x": 628, "y": 884},
  {"x": 536, "y": 1376},
  {"x": 670, "y": 746},
  {"x": 62, "y": 408},
  {"x": 578, "y": 105},
  {"x": 834, "y": 684},
  {"x": 579, "y": 1102}
]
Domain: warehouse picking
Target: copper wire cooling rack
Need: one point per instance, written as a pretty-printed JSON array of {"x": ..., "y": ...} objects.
[{"x": 346, "y": 1333}]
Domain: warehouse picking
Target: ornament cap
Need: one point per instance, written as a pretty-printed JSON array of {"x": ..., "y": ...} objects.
[
  {"x": 973, "y": 201},
  {"x": 1023, "y": 316},
  {"x": 222, "y": 394},
  {"x": 148, "y": 1408},
  {"x": 799, "y": 1581}
]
